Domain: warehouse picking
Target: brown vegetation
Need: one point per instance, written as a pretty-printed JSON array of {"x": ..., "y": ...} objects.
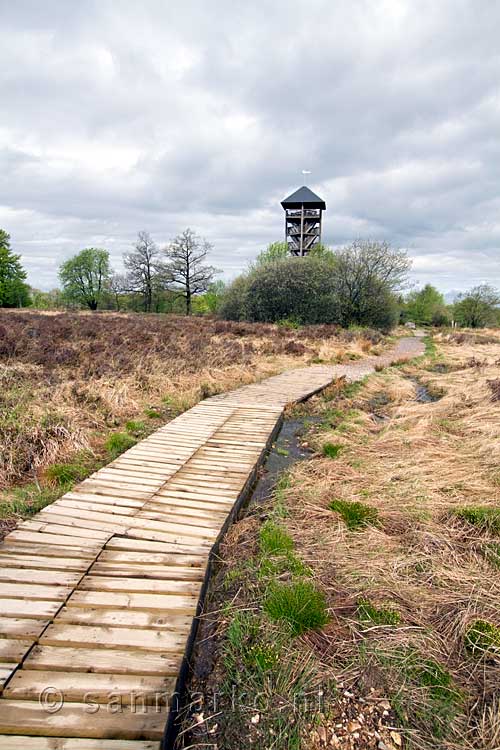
[
  {"x": 67, "y": 380},
  {"x": 399, "y": 527}
]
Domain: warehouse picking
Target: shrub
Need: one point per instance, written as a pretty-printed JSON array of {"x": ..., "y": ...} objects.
[
  {"x": 355, "y": 514},
  {"x": 301, "y": 605}
]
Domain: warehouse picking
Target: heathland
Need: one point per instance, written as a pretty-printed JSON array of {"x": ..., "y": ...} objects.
[{"x": 76, "y": 388}]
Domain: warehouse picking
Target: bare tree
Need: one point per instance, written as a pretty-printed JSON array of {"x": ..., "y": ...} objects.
[
  {"x": 185, "y": 270},
  {"x": 144, "y": 269},
  {"x": 118, "y": 284},
  {"x": 365, "y": 272}
]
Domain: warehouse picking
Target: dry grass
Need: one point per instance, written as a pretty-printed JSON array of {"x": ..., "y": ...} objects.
[
  {"x": 67, "y": 380},
  {"x": 416, "y": 468}
]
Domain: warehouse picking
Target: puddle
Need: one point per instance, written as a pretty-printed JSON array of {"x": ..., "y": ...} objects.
[
  {"x": 286, "y": 450},
  {"x": 422, "y": 393}
]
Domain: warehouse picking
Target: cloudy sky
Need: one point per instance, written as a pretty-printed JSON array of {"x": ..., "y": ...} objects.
[{"x": 120, "y": 115}]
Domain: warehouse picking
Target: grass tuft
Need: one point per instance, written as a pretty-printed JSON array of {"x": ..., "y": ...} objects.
[
  {"x": 118, "y": 443},
  {"x": 273, "y": 539},
  {"x": 484, "y": 517},
  {"x": 355, "y": 515},
  {"x": 65, "y": 474},
  {"x": 332, "y": 450},
  {"x": 300, "y": 604},
  {"x": 135, "y": 428}
]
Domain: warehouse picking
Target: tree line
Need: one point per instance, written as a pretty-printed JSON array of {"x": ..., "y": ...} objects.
[
  {"x": 360, "y": 284},
  {"x": 179, "y": 269}
]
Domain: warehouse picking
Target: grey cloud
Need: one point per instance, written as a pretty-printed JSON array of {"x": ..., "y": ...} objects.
[{"x": 162, "y": 115}]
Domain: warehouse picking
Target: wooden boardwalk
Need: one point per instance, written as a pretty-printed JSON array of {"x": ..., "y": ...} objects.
[{"x": 98, "y": 591}]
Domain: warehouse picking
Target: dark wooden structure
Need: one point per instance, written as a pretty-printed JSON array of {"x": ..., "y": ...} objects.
[{"x": 303, "y": 210}]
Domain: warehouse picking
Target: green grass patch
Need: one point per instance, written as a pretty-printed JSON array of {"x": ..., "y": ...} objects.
[
  {"x": 135, "y": 428},
  {"x": 422, "y": 692},
  {"x": 484, "y": 517},
  {"x": 299, "y": 604},
  {"x": 119, "y": 442},
  {"x": 282, "y": 451},
  {"x": 430, "y": 347},
  {"x": 355, "y": 515},
  {"x": 153, "y": 414},
  {"x": 369, "y": 613},
  {"x": 27, "y": 500},
  {"x": 274, "y": 540},
  {"x": 332, "y": 450},
  {"x": 66, "y": 474},
  {"x": 352, "y": 389},
  {"x": 482, "y": 637}
]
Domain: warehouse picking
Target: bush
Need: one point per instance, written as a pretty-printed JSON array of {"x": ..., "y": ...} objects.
[
  {"x": 299, "y": 604},
  {"x": 355, "y": 286}
]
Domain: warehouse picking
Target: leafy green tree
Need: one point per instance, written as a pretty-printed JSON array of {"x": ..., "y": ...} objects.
[
  {"x": 52, "y": 300},
  {"x": 274, "y": 253},
  {"x": 426, "y": 306},
  {"x": 85, "y": 277},
  {"x": 14, "y": 292},
  {"x": 478, "y": 307}
]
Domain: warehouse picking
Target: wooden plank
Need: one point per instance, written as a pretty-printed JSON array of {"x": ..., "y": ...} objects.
[
  {"x": 11, "y": 547},
  {"x": 12, "y": 650},
  {"x": 29, "y": 575},
  {"x": 121, "y": 502},
  {"x": 120, "y": 618},
  {"x": 53, "y": 540},
  {"x": 127, "y": 544},
  {"x": 39, "y": 562},
  {"x": 142, "y": 584},
  {"x": 28, "y": 684},
  {"x": 73, "y": 721},
  {"x": 99, "y": 507},
  {"x": 26, "y": 608},
  {"x": 89, "y": 636},
  {"x": 146, "y": 602},
  {"x": 34, "y": 591},
  {"x": 91, "y": 487},
  {"x": 68, "y": 531},
  {"x": 148, "y": 559},
  {"x": 97, "y": 660},
  {"x": 12, "y": 742},
  {"x": 18, "y": 627},
  {"x": 169, "y": 572},
  {"x": 178, "y": 511},
  {"x": 6, "y": 671}
]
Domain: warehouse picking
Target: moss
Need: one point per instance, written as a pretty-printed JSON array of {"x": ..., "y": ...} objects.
[
  {"x": 368, "y": 612},
  {"x": 152, "y": 414},
  {"x": 482, "y": 637},
  {"x": 355, "y": 515}
]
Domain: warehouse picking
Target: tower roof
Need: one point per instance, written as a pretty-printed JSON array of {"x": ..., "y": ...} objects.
[{"x": 303, "y": 196}]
